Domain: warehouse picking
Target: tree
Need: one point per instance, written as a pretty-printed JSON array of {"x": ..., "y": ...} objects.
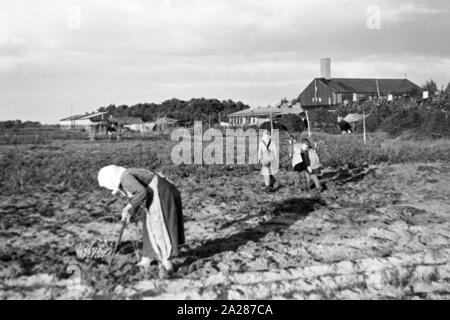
[
  {"x": 194, "y": 109},
  {"x": 430, "y": 86},
  {"x": 284, "y": 101},
  {"x": 448, "y": 88},
  {"x": 17, "y": 124}
]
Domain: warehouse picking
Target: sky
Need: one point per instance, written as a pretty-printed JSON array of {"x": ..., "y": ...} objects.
[{"x": 60, "y": 57}]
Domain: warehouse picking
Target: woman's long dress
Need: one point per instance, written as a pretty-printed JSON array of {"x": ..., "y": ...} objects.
[{"x": 163, "y": 230}]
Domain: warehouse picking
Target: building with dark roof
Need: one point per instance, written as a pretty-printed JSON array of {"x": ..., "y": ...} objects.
[
  {"x": 327, "y": 91},
  {"x": 257, "y": 116},
  {"x": 88, "y": 122}
]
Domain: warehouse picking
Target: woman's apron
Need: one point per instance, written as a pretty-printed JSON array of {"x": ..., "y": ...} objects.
[{"x": 163, "y": 225}]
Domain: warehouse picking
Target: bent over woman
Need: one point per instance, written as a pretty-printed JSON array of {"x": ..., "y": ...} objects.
[{"x": 163, "y": 230}]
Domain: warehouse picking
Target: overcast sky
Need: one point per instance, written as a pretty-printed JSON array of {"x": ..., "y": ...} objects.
[{"x": 55, "y": 54}]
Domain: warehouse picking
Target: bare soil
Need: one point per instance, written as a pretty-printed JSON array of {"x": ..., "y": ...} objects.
[{"x": 377, "y": 232}]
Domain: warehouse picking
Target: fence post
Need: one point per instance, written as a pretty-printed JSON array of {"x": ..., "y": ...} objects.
[{"x": 309, "y": 125}]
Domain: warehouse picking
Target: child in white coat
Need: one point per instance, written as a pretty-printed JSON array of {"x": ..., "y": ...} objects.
[{"x": 268, "y": 156}]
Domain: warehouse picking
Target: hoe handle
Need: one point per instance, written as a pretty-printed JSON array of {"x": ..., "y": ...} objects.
[{"x": 116, "y": 245}]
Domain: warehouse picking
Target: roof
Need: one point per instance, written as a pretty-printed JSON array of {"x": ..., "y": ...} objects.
[
  {"x": 93, "y": 115},
  {"x": 165, "y": 120},
  {"x": 126, "y": 120},
  {"x": 84, "y": 116},
  {"x": 355, "y": 85},
  {"x": 77, "y": 117},
  {"x": 277, "y": 110}
]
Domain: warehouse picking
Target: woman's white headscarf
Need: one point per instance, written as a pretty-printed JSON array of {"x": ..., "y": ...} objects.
[{"x": 109, "y": 177}]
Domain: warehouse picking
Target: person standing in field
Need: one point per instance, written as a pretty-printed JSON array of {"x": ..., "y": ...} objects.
[
  {"x": 295, "y": 157},
  {"x": 309, "y": 166},
  {"x": 293, "y": 145},
  {"x": 163, "y": 225},
  {"x": 268, "y": 156}
]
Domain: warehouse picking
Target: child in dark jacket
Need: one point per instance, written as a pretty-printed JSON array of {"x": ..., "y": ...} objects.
[{"x": 304, "y": 168}]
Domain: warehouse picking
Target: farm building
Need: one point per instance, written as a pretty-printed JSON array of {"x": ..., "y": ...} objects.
[
  {"x": 93, "y": 122},
  {"x": 132, "y": 123},
  {"x": 166, "y": 122},
  {"x": 327, "y": 91},
  {"x": 257, "y": 116},
  {"x": 163, "y": 123},
  {"x": 137, "y": 124}
]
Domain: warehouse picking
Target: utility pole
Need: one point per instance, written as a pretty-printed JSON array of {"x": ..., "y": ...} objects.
[
  {"x": 71, "y": 112},
  {"x": 271, "y": 119},
  {"x": 315, "y": 91},
  {"x": 364, "y": 126},
  {"x": 378, "y": 88},
  {"x": 309, "y": 125}
]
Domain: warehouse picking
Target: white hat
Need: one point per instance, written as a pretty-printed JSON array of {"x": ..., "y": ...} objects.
[{"x": 109, "y": 177}]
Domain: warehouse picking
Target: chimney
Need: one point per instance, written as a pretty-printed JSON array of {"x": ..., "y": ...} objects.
[{"x": 325, "y": 68}]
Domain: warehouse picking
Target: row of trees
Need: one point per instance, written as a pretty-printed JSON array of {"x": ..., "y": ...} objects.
[
  {"x": 18, "y": 124},
  {"x": 432, "y": 87},
  {"x": 207, "y": 110}
]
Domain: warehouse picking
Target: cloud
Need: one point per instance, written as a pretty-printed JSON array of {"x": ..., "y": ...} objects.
[
  {"x": 413, "y": 9},
  {"x": 258, "y": 51}
]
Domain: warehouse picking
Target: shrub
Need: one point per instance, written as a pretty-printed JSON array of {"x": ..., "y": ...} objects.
[{"x": 427, "y": 119}]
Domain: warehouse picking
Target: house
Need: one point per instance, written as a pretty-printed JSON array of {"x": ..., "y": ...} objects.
[
  {"x": 164, "y": 123},
  {"x": 91, "y": 122},
  {"x": 327, "y": 91},
  {"x": 132, "y": 123},
  {"x": 137, "y": 124},
  {"x": 257, "y": 116}
]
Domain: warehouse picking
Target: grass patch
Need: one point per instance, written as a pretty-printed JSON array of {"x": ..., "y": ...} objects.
[{"x": 75, "y": 164}]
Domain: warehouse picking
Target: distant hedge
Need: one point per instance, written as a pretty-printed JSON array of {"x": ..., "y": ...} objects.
[
  {"x": 427, "y": 119},
  {"x": 206, "y": 110}
]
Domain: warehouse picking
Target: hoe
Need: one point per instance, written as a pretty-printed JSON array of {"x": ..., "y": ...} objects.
[{"x": 116, "y": 245}]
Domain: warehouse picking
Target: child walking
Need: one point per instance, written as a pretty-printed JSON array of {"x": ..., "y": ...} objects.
[{"x": 309, "y": 167}]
